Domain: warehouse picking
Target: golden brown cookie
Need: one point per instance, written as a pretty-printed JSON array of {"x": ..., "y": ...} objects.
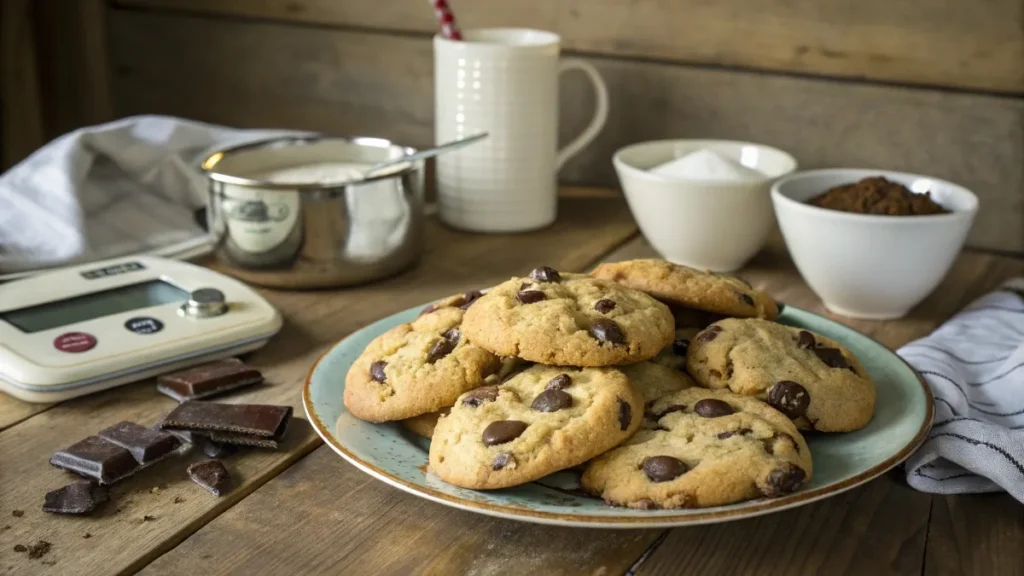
[
  {"x": 710, "y": 448},
  {"x": 691, "y": 288},
  {"x": 424, "y": 424},
  {"x": 542, "y": 420},
  {"x": 419, "y": 367},
  {"x": 569, "y": 319},
  {"x": 814, "y": 380}
]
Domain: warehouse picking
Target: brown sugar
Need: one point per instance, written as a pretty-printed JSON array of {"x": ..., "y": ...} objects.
[{"x": 877, "y": 196}]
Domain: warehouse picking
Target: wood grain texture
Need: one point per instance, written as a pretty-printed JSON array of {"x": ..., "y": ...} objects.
[
  {"x": 375, "y": 529},
  {"x": 21, "y": 116},
  {"x": 940, "y": 42},
  {"x": 13, "y": 410},
  {"x": 879, "y": 528},
  {"x": 345, "y": 82},
  {"x": 975, "y": 534},
  {"x": 122, "y": 541}
]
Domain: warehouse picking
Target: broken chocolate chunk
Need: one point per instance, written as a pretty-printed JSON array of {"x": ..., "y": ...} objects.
[
  {"x": 80, "y": 497},
  {"x": 212, "y": 475}
]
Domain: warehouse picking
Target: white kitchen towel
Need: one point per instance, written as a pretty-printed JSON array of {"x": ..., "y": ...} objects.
[
  {"x": 126, "y": 187},
  {"x": 974, "y": 364}
]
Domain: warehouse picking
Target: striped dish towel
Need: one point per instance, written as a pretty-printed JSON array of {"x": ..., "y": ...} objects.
[{"x": 974, "y": 364}]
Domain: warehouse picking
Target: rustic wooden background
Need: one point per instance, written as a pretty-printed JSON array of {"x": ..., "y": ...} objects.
[{"x": 932, "y": 86}]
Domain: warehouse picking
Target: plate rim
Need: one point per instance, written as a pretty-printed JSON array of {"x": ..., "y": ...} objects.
[{"x": 691, "y": 518}]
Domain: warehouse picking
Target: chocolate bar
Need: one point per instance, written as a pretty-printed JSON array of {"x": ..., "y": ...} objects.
[
  {"x": 208, "y": 380},
  {"x": 258, "y": 421},
  {"x": 96, "y": 458},
  {"x": 145, "y": 445},
  {"x": 80, "y": 497},
  {"x": 212, "y": 475}
]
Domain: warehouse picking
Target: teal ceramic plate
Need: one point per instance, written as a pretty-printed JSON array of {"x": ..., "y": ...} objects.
[{"x": 391, "y": 454}]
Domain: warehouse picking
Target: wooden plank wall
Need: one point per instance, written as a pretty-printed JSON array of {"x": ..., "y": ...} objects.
[{"x": 930, "y": 86}]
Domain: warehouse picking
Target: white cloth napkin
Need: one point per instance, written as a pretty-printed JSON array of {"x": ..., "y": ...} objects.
[
  {"x": 974, "y": 364},
  {"x": 125, "y": 187}
]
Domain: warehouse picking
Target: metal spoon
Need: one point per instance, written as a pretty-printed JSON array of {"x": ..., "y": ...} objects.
[{"x": 428, "y": 153}]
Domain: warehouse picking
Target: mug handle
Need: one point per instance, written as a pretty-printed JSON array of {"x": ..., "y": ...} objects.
[{"x": 600, "y": 114}]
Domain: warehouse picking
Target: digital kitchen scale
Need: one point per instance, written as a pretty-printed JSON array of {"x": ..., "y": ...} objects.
[{"x": 78, "y": 330}]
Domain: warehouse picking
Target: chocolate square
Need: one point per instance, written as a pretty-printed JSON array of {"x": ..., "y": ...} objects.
[
  {"x": 259, "y": 420},
  {"x": 96, "y": 458},
  {"x": 208, "y": 380},
  {"x": 146, "y": 446}
]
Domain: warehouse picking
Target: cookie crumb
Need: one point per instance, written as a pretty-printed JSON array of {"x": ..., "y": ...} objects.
[
  {"x": 17, "y": 513},
  {"x": 87, "y": 535},
  {"x": 39, "y": 549},
  {"x": 154, "y": 490},
  {"x": 20, "y": 548},
  {"x": 178, "y": 499},
  {"x": 148, "y": 518}
]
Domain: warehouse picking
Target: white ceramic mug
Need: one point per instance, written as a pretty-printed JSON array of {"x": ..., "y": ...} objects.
[{"x": 504, "y": 81}]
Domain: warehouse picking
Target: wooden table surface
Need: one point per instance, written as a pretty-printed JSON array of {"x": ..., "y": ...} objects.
[{"x": 304, "y": 510}]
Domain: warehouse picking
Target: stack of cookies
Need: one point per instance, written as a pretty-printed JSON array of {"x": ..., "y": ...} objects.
[{"x": 667, "y": 386}]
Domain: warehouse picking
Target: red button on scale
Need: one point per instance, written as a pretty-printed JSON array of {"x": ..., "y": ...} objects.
[{"x": 74, "y": 342}]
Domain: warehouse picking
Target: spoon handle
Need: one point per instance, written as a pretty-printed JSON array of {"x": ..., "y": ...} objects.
[{"x": 428, "y": 153}]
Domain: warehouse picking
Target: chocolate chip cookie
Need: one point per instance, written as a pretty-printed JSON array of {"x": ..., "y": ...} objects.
[
  {"x": 419, "y": 367},
  {"x": 569, "y": 319},
  {"x": 541, "y": 420},
  {"x": 812, "y": 379},
  {"x": 710, "y": 448},
  {"x": 691, "y": 288}
]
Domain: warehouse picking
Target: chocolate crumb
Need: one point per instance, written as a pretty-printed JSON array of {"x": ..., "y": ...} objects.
[
  {"x": 20, "y": 548},
  {"x": 50, "y": 562},
  {"x": 87, "y": 535},
  {"x": 7, "y": 527},
  {"x": 178, "y": 499},
  {"x": 148, "y": 518},
  {"x": 17, "y": 513},
  {"x": 39, "y": 549}
]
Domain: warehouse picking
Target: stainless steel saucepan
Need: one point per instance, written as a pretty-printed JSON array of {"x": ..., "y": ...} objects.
[{"x": 283, "y": 213}]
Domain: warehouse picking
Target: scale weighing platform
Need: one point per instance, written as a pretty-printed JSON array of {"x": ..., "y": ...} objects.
[{"x": 87, "y": 328}]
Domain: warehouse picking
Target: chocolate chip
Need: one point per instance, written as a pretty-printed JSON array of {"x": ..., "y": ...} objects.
[
  {"x": 530, "y": 296},
  {"x": 604, "y": 305},
  {"x": 784, "y": 480},
  {"x": 709, "y": 334},
  {"x": 663, "y": 468},
  {"x": 646, "y": 504},
  {"x": 789, "y": 398},
  {"x": 731, "y": 433},
  {"x": 551, "y": 401},
  {"x": 377, "y": 371},
  {"x": 470, "y": 297},
  {"x": 605, "y": 330},
  {"x": 453, "y": 335},
  {"x": 503, "y": 431},
  {"x": 671, "y": 409},
  {"x": 440, "y": 349},
  {"x": 712, "y": 408},
  {"x": 503, "y": 460},
  {"x": 832, "y": 357},
  {"x": 560, "y": 382},
  {"x": 625, "y": 414},
  {"x": 545, "y": 274},
  {"x": 680, "y": 346},
  {"x": 480, "y": 395},
  {"x": 805, "y": 340},
  {"x": 747, "y": 299}
]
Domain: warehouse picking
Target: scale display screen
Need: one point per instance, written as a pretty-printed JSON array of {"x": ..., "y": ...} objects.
[{"x": 95, "y": 305}]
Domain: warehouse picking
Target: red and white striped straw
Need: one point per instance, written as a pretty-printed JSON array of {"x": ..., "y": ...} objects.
[{"x": 449, "y": 29}]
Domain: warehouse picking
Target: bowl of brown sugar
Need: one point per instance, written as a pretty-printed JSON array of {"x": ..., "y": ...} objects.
[{"x": 872, "y": 243}]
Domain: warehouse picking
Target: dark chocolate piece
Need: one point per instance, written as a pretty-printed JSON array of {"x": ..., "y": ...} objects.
[
  {"x": 212, "y": 475},
  {"x": 208, "y": 380},
  {"x": 259, "y": 420},
  {"x": 240, "y": 440},
  {"x": 80, "y": 497},
  {"x": 146, "y": 446},
  {"x": 96, "y": 458}
]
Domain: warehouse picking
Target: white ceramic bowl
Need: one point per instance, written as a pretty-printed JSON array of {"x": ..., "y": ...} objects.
[
  {"x": 705, "y": 224},
  {"x": 871, "y": 266}
]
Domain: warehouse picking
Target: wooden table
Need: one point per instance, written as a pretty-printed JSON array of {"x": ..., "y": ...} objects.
[{"x": 303, "y": 510}]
